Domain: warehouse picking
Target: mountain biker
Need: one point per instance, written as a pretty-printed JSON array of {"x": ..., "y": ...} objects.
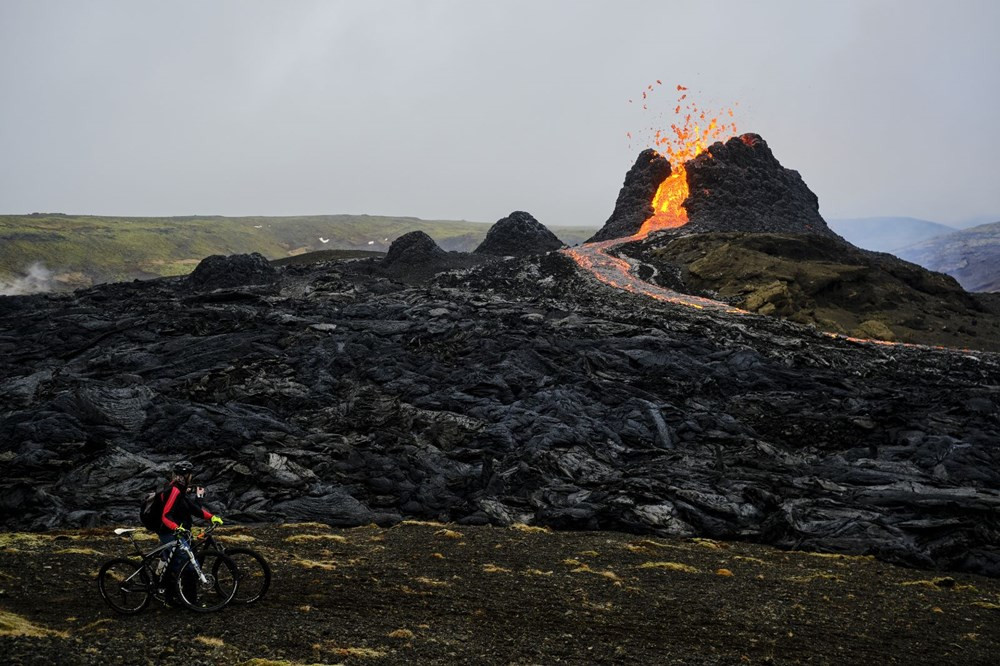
[{"x": 179, "y": 509}]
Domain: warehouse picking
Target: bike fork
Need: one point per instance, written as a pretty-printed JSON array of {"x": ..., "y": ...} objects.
[{"x": 194, "y": 562}]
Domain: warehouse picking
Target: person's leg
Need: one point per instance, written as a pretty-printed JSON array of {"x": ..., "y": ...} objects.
[{"x": 170, "y": 558}]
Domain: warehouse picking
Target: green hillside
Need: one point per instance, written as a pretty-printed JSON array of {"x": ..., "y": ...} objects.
[{"x": 85, "y": 249}]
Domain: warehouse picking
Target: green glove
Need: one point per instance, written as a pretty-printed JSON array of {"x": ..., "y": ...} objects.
[
  {"x": 216, "y": 520},
  {"x": 180, "y": 531}
]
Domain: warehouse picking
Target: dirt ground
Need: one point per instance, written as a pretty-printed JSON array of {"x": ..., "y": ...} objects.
[{"x": 430, "y": 593}]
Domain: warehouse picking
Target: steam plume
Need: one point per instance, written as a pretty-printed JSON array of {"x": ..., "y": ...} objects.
[{"x": 36, "y": 279}]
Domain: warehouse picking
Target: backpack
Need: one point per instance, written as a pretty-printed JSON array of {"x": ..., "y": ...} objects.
[{"x": 151, "y": 511}]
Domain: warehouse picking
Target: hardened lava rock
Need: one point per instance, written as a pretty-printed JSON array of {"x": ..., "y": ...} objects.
[
  {"x": 237, "y": 270},
  {"x": 733, "y": 186},
  {"x": 518, "y": 235},
  {"x": 413, "y": 248},
  {"x": 740, "y": 186},
  {"x": 635, "y": 200}
]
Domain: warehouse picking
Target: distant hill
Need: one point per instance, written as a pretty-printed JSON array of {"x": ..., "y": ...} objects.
[
  {"x": 60, "y": 251},
  {"x": 885, "y": 234},
  {"x": 971, "y": 256}
]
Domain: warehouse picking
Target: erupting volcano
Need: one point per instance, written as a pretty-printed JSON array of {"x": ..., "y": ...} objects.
[
  {"x": 692, "y": 179},
  {"x": 687, "y": 138}
]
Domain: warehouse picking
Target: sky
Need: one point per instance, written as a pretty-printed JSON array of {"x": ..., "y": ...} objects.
[{"x": 470, "y": 110}]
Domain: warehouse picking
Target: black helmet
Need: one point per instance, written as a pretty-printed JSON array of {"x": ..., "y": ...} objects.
[{"x": 183, "y": 468}]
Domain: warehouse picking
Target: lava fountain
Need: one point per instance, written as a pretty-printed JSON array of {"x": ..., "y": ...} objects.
[
  {"x": 688, "y": 137},
  {"x": 693, "y": 132}
]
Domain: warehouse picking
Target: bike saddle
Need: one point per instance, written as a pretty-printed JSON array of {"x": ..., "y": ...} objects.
[{"x": 125, "y": 530}]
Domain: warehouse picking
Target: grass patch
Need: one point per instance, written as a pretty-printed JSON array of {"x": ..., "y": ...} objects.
[
  {"x": 709, "y": 543},
  {"x": 424, "y": 580},
  {"x": 15, "y": 625},
  {"x": 607, "y": 573},
  {"x": 449, "y": 534},
  {"x": 404, "y": 634},
  {"x": 79, "y": 551},
  {"x": 840, "y": 556},
  {"x": 744, "y": 558},
  {"x": 421, "y": 523},
  {"x": 493, "y": 568},
  {"x": 359, "y": 652},
  {"x": 522, "y": 527},
  {"x": 670, "y": 566},
  {"x": 816, "y": 576},
  {"x": 32, "y": 540},
  {"x": 210, "y": 641},
  {"x": 301, "y": 538},
  {"x": 315, "y": 526},
  {"x": 326, "y": 565}
]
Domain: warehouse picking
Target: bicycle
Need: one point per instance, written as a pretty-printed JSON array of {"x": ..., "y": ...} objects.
[
  {"x": 253, "y": 571},
  {"x": 128, "y": 585}
]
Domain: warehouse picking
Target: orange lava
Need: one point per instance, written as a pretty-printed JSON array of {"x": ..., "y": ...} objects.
[{"x": 692, "y": 133}]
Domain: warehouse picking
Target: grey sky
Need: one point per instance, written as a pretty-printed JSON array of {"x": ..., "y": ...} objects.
[{"x": 473, "y": 109}]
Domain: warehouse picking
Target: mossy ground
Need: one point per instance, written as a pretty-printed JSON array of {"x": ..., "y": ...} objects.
[
  {"x": 416, "y": 593},
  {"x": 824, "y": 283}
]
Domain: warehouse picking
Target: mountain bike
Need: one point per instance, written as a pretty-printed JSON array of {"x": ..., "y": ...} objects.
[
  {"x": 202, "y": 584},
  {"x": 253, "y": 573}
]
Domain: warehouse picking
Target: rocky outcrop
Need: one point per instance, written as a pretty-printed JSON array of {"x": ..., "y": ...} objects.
[
  {"x": 413, "y": 248},
  {"x": 635, "y": 200},
  {"x": 518, "y": 235},
  {"x": 520, "y": 391},
  {"x": 237, "y": 270},
  {"x": 415, "y": 258},
  {"x": 734, "y": 186},
  {"x": 740, "y": 186}
]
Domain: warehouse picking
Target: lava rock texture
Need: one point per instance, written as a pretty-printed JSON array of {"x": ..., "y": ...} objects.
[
  {"x": 734, "y": 186},
  {"x": 740, "y": 186},
  {"x": 635, "y": 200},
  {"x": 415, "y": 258},
  {"x": 221, "y": 272},
  {"x": 518, "y": 235},
  {"x": 519, "y": 391}
]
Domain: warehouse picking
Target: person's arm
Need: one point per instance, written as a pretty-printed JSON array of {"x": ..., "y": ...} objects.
[{"x": 168, "y": 507}]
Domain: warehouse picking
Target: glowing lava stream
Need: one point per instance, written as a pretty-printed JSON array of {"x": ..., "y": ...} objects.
[{"x": 616, "y": 272}]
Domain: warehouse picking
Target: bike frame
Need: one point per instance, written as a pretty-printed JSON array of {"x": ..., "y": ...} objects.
[{"x": 177, "y": 544}]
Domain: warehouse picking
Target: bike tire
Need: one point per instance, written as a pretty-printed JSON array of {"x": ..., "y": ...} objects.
[
  {"x": 254, "y": 575},
  {"x": 222, "y": 581},
  {"x": 125, "y": 585}
]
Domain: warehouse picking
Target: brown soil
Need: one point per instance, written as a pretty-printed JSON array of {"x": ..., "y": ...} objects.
[{"x": 427, "y": 593}]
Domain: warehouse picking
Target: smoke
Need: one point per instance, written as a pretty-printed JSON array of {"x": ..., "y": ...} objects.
[{"x": 36, "y": 279}]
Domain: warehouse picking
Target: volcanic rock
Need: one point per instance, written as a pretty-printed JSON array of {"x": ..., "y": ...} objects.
[
  {"x": 518, "y": 235},
  {"x": 415, "y": 258},
  {"x": 740, "y": 186},
  {"x": 237, "y": 270},
  {"x": 518, "y": 391},
  {"x": 413, "y": 248},
  {"x": 635, "y": 200},
  {"x": 734, "y": 186}
]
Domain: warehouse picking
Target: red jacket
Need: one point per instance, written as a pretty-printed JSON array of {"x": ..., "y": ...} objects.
[{"x": 180, "y": 509}]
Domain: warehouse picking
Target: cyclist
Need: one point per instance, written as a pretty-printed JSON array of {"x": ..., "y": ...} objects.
[{"x": 179, "y": 509}]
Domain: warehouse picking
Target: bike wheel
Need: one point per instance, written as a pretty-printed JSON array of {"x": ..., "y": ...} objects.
[
  {"x": 125, "y": 585},
  {"x": 254, "y": 574},
  {"x": 213, "y": 588}
]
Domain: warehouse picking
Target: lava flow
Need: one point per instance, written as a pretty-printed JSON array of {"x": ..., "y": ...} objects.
[{"x": 687, "y": 138}]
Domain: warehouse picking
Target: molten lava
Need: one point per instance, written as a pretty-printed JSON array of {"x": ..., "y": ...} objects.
[{"x": 690, "y": 136}]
